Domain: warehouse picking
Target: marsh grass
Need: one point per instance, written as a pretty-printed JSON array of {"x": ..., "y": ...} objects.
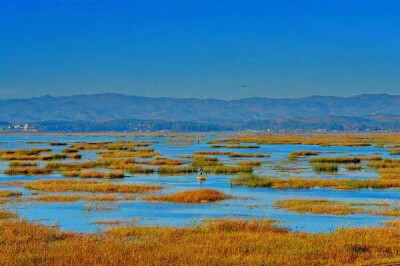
[
  {"x": 324, "y": 206},
  {"x": 140, "y": 170},
  {"x": 248, "y": 155},
  {"x": 225, "y": 169},
  {"x": 309, "y": 183},
  {"x": 336, "y": 160},
  {"x": 389, "y": 173},
  {"x": 85, "y": 186},
  {"x": 235, "y": 146},
  {"x": 212, "y": 152},
  {"x": 171, "y": 170},
  {"x": 104, "y": 175},
  {"x": 21, "y": 164},
  {"x": 202, "y": 161},
  {"x": 163, "y": 161},
  {"x": 295, "y": 154},
  {"x": 191, "y": 196},
  {"x": 325, "y": 167},
  {"x": 67, "y": 150},
  {"x": 27, "y": 170},
  {"x": 7, "y": 215},
  {"x": 385, "y": 163},
  {"x": 249, "y": 163},
  {"x": 75, "y": 198},
  {"x": 8, "y": 193},
  {"x": 353, "y": 167},
  {"x": 394, "y": 151},
  {"x": 230, "y": 241}
]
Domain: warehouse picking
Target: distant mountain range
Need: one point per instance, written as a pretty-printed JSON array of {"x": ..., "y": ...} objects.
[{"x": 112, "y": 106}]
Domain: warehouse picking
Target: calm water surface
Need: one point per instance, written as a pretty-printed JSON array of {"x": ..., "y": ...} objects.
[{"x": 248, "y": 203}]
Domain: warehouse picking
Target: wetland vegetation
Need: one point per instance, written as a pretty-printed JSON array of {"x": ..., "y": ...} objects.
[{"x": 151, "y": 179}]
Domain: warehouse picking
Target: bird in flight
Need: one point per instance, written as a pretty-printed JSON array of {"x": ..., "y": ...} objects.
[{"x": 244, "y": 86}]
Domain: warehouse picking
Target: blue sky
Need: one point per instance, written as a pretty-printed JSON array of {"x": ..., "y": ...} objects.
[{"x": 199, "y": 49}]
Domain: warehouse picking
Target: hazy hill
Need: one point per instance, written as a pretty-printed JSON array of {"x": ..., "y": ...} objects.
[{"x": 111, "y": 106}]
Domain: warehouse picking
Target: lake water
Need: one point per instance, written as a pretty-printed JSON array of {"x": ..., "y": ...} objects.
[{"x": 248, "y": 203}]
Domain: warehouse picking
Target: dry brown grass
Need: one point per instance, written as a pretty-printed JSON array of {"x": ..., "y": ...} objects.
[
  {"x": 249, "y": 163},
  {"x": 335, "y": 160},
  {"x": 163, "y": 161},
  {"x": 191, "y": 196},
  {"x": 323, "y": 139},
  {"x": 7, "y": 214},
  {"x": 104, "y": 175},
  {"x": 324, "y": 206},
  {"x": 308, "y": 183},
  {"x": 294, "y": 155},
  {"x": 8, "y": 193},
  {"x": 27, "y": 170},
  {"x": 74, "y": 198},
  {"x": 248, "y": 155},
  {"x": 171, "y": 170},
  {"x": 220, "y": 242},
  {"x": 84, "y": 186}
]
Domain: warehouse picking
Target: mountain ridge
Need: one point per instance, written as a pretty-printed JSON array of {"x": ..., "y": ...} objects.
[{"x": 112, "y": 106}]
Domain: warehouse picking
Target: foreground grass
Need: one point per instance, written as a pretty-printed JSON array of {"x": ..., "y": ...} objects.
[
  {"x": 324, "y": 206},
  {"x": 221, "y": 242},
  {"x": 308, "y": 183},
  {"x": 191, "y": 196},
  {"x": 84, "y": 186}
]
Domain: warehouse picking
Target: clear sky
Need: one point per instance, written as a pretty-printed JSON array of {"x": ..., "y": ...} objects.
[{"x": 281, "y": 48}]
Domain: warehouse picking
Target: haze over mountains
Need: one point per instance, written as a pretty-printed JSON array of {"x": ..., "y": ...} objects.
[
  {"x": 111, "y": 106},
  {"x": 117, "y": 112}
]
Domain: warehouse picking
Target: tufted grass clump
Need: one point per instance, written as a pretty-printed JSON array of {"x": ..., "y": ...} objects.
[
  {"x": 325, "y": 167},
  {"x": 191, "y": 196}
]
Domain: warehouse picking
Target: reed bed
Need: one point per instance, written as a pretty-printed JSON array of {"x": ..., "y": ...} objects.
[
  {"x": 219, "y": 242},
  {"x": 394, "y": 151},
  {"x": 85, "y": 186},
  {"x": 249, "y": 163},
  {"x": 21, "y": 164},
  {"x": 74, "y": 198},
  {"x": 67, "y": 150},
  {"x": 353, "y": 167},
  {"x": 164, "y": 161},
  {"x": 196, "y": 196},
  {"x": 7, "y": 215},
  {"x": 27, "y": 170},
  {"x": 202, "y": 161},
  {"x": 225, "y": 169},
  {"x": 104, "y": 175},
  {"x": 294, "y": 155},
  {"x": 235, "y": 146},
  {"x": 325, "y": 167},
  {"x": 8, "y": 193},
  {"x": 170, "y": 170},
  {"x": 309, "y": 183},
  {"x": 91, "y": 146},
  {"x": 324, "y": 206},
  {"x": 386, "y": 163},
  {"x": 335, "y": 160},
  {"x": 248, "y": 155},
  {"x": 212, "y": 153},
  {"x": 389, "y": 173},
  {"x": 339, "y": 139},
  {"x": 125, "y": 146},
  {"x": 128, "y": 154},
  {"x": 140, "y": 170}
]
